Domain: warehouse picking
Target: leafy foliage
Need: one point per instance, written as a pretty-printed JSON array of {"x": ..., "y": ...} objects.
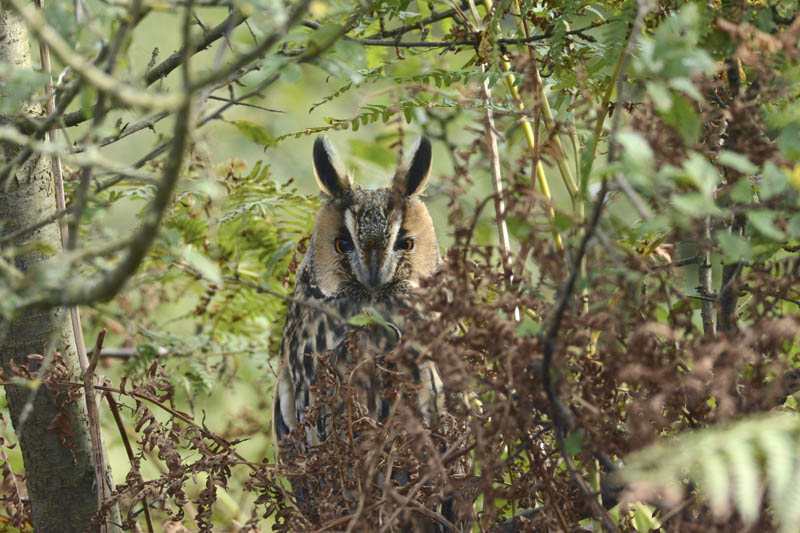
[
  {"x": 603, "y": 372},
  {"x": 728, "y": 464}
]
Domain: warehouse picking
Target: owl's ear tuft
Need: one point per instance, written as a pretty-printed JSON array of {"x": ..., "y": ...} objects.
[
  {"x": 329, "y": 171},
  {"x": 414, "y": 180}
]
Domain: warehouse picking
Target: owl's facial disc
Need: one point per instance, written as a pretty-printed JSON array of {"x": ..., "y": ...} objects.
[{"x": 372, "y": 259}]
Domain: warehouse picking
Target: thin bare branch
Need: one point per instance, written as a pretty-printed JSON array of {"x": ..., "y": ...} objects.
[
  {"x": 466, "y": 42},
  {"x": 126, "y": 94},
  {"x": 177, "y": 58},
  {"x": 81, "y": 291},
  {"x": 434, "y": 17},
  {"x": 258, "y": 51}
]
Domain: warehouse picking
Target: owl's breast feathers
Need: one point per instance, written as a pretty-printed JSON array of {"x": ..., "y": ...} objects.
[{"x": 317, "y": 324}]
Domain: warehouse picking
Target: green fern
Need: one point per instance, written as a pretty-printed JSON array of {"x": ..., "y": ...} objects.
[{"x": 729, "y": 465}]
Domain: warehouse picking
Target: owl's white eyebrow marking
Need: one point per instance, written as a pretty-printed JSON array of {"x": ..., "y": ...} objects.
[
  {"x": 394, "y": 229},
  {"x": 350, "y": 224}
]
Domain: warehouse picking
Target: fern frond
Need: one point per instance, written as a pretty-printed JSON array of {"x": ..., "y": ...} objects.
[{"x": 730, "y": 465}]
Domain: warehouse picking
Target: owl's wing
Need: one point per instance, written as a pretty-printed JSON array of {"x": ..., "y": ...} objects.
[
  {"x": 307, "y": 332},
  {"x": 285, "y": 410},
  {"x": 284, "y": 417}
]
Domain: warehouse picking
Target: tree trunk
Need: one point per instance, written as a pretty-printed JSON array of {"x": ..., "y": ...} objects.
[{"x": 51, "y": 427}]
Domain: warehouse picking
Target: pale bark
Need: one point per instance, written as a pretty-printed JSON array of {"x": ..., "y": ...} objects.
[{"x": 58, "y": 460}]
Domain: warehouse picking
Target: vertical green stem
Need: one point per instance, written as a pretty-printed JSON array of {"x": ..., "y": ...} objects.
[
  {"x": 510, "y": 80},
  {"x": 598, "y": 127}
]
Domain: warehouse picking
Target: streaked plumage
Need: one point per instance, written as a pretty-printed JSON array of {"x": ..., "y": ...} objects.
[{"x": 368, "y": 248}]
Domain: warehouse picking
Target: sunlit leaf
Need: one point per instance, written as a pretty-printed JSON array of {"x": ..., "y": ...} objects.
[{"x": 256, "y": 133}]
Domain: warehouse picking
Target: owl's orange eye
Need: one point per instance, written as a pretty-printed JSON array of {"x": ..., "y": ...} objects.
[
  {"x": 406, "y": 244},
  {"x": 342, "y": 245}
]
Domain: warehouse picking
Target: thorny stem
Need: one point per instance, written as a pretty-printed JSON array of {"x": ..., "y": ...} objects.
[
  {"x": 728, "y": 291},
  {"x": 464, "y": 42},
  {"x": 66, "y": 95},
  {"x": 434, "y": 17},
  {"x": 550, "y": 340},
  {"x": 213, "y": 116},
  {"x": 258, "y": 51},
  {"x": 704, "y": 275},
  {"x": 598, "y": 126},
  {"x": 168, "y": 65},
  {"x": 178, "y": 57},
  {"x": 106, "y": 55}
]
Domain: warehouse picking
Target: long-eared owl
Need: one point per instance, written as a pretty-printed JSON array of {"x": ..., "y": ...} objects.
[{"x": 368, "y": 248}]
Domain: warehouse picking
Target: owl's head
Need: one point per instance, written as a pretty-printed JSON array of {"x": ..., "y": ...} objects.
[{"x": 372, "y": 243}]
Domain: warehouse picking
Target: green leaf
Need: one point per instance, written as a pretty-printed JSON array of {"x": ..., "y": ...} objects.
[
  {"x": 730, "y": 464},
  {"x": 254, "y": 132},
  {"x": 365, "y": 319},
  {"x": 88, "y": 99},
  {"x": 734, "y": 248},
  {"x": 519, "y": 227},
  {"x": 737, "y": 162},
  {"x": 275, "y": 258},
  {"x": 171, "y": 237},
  {"x": 686, "y": 86},
  {"x": 746, "y": 485},
  {"x": 794, "y": 226},
  {"x": 322, "y": 37},
  {"x": 742, "y": 192},
  {"x": 529, "y": 328},
  {"x": 779, "y": 456},
  {"x": 763, "y": 221},
  {"x": 789, "y": 142},
  {"x": 586, "y": 159},
  {"x": 660, "y": 96},
  {"x": 562, "y": 222},
  {"x": 372, "y": 317},
  {"x": 773, "y": 181},
  {"x": 291, "y": 73},
  {"x": 695, "y": 204},
  {"x": 702, "y": 174},
  {"x": 636, "y": 150},
  {"x": 716, "y": 482},
  {"x": 205, "y": 266},
  {"x": 644, "y": 519},
  {"x": 573, "y": 444},
  {"x": 683, "y": 118},
  {"x": 146, "y": 350},
  {"x": 408, "y": 113}
]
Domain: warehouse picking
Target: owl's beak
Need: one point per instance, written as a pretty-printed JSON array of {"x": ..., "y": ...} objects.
[{"x": 374, "y": 267}]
